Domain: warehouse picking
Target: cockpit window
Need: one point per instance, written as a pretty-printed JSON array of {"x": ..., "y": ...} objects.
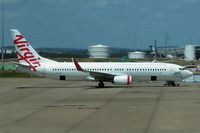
[{"x": 181, "y": 68}]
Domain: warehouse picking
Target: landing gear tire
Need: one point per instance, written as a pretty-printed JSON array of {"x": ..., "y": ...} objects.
[{"x": 101, "y": 84}]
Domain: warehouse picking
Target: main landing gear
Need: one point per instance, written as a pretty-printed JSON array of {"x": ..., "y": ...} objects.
[
  {"x": 101, "y": 84},
  {"x": 171, "y": 83}
]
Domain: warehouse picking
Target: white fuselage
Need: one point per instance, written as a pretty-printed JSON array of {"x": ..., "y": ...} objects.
[
  {"x": 118, "y": 73},
  {"x": 143, "y": 71}
]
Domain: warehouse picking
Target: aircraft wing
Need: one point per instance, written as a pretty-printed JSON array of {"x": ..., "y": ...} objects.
[
  {"x": 102, "y": 76},
  {"x": 97, "y": 75}
]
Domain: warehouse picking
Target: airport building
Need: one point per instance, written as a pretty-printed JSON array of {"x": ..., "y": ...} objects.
[
  {"x": 188, "y": 52},
  {"x": 99, "y": 51},
  {"x": 174, "y": 51},
  {"x": 136, "y": 55},
  {"x": 192, "y": 52},
  {"x": 8, "y": 50}
]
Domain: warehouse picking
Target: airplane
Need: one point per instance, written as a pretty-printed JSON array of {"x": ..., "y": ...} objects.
[{"x": 119, "y": 73}]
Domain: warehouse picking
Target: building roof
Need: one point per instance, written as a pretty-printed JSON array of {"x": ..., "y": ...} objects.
[{"x": 98, "y": 45}]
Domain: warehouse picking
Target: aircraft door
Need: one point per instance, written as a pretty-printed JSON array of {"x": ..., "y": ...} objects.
[
  {"x": 62, "y": 77},
  {"x": 153, "y": 78}
]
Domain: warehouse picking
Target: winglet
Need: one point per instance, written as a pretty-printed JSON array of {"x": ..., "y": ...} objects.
[{"x": 78, "y": 67}]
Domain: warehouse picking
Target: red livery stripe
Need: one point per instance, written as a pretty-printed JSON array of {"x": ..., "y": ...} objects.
[
  {"x": 128, "y": 80},
  {"x": 25, "y": 54},
  {"x": 78, "y": 67},
  {"x": 17, "y": 41}
]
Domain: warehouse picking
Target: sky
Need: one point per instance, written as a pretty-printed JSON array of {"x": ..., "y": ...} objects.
[{"x": 131, "y": 24}]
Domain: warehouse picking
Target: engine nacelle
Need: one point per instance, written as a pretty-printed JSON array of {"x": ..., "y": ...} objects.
[{"x": 123, "y": 80}]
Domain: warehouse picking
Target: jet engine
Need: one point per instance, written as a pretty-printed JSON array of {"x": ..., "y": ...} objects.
[{"x": 122, "y": 80}]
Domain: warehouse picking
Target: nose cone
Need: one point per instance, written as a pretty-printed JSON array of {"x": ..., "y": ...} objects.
[
  {"x": 187, "y": 73},
  {"x": 190, "y": 73}
]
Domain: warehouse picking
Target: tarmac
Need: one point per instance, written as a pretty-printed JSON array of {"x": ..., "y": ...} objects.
[{"x": 39, "y": 105}]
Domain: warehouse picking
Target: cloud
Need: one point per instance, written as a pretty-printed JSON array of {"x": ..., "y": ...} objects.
[
  {"x": 9, "y": 14},
  {"x": 56, "y": 1},
  {"x": 191, "y": 1},
  {"x": 11, "y": 1},
  {"x": 158, "y": 14},
  {"x": 173, "y": 5},
  {"x": 101, "y": 3},
  {"x": 107, "y": 3},
  {"x": 119, "y": 2}
]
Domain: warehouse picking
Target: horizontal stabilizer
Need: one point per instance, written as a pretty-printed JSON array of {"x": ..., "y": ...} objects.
[{"x": 18, "y": 64}]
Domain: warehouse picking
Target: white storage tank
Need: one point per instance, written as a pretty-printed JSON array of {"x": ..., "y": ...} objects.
[
  {"x": 189, "y": 52},
  {"x": 136, "y": 55},
  {"x": 98, "y": 51}
]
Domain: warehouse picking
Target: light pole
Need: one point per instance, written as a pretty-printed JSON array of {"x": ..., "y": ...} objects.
[{"x": 2, "y": 47}]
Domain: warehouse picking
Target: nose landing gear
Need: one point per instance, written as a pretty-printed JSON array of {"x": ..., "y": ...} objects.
[{"x": 171, "y": 83}]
